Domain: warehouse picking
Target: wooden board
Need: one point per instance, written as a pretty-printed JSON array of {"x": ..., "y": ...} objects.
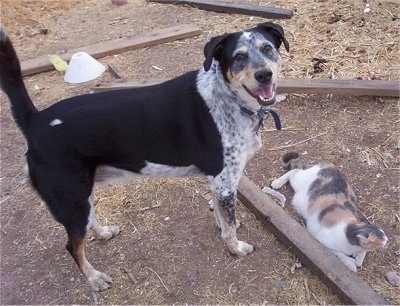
[
  {"x": 309, "y": 86},
  {"x": 340, "y": 87},
  {"x": 111, "y": 47},
  {"x": 234, "y": 8},
  {"x": 120, "y": 84},
  {"x": 116, "y": 72},
  {"x": 346, "y": 284}
]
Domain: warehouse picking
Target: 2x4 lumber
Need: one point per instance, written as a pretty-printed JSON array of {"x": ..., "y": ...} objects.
[
  {"x": 308, "y": 86},
  {"x": 340, "y": 87},
  {"x": 234, "y": 8},
  {"x": 346, "y": 284},
  {"x": 116, "y": 46}
]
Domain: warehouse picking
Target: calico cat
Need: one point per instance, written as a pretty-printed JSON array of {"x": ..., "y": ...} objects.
[{"x": 324, "y": 198}]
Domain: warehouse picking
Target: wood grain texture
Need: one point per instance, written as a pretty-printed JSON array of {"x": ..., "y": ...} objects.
[
  {"x": 234, "y": 8},
  {"x": 116, "y": 46},
  {"x": 310, "y": 86},
  {"x": 340, "y": 87}
]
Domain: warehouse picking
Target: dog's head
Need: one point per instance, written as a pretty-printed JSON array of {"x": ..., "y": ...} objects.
[{"x": 249, "y": 61}]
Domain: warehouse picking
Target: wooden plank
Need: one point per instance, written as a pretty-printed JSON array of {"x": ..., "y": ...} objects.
[
  {"x": 234, "y": 8},
  {"x": 346, "y": 284},
  {"x": 111, "y": 47},
  {"x": 309, "y": 86},
  {"x": 340, "y": 87},
  {"x": 128, "y": 84},
  {"x": 116, "y": 72}
]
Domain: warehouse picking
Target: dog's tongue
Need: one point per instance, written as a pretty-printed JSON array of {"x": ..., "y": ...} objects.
[{"x": 267, "y": 92}]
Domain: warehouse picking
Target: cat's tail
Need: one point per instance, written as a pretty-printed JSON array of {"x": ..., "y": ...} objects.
[
  {"x": 287, "y": 160},
  {"x": 12, "y": 84}
]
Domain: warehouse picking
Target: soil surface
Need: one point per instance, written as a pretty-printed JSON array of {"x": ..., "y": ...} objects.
[{"x": 172, "y": 253}]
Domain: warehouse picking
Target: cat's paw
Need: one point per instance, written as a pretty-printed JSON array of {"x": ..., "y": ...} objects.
[
  {"x": 352, "y": 267},
  {"x": 359, "y": 259},
  {"x": 276, "y": 184},
  {"x": 350, "y": 263}
]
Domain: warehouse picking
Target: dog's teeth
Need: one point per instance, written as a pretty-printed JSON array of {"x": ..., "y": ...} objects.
[{"x": 265, "y": 99}]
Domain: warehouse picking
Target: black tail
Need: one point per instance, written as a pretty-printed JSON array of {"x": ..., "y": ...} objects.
[
  {"x": 12, "y": 84},
  {"x": 286, "y": 160}
]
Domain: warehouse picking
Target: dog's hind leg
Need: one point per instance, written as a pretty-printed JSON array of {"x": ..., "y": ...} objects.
[
  {"x": 66, "y": 192},
  {"x": 102, "y": 232},
  {"x": 224, "y": 205},
  {"x": 76, "y": 220},
  {"x": 76, "y": 247},
  {"x": 74, "y": 214}
]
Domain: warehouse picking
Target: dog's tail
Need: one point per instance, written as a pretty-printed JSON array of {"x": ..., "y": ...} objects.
[
  {"x": 12, "y": 84},
  {"x": 287, "y": 160}
]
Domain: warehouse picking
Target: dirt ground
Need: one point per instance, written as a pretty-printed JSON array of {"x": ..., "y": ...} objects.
[{"x": 172, "y": 254}]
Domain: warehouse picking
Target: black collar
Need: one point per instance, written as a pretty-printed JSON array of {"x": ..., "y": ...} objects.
[{"x": 262, "y": 113}]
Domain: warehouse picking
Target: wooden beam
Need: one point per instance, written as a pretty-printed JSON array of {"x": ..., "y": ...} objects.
[
  {"x": 346, "y": 284},
  {"x": 309, "y": 86},
  {"x": 111, "y": 47},
  {"x": 234, "y": 8},
  {"x": 120, "y": 84},
  {"x": 116, "y": 73},
  {"x": 340, "y": 87}
]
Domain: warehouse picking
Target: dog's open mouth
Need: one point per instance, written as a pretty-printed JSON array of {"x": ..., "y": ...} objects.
[{"x": 265, "y": 95}]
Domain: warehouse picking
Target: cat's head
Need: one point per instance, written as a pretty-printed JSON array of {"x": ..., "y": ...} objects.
[{"x": 368, "y": 236}]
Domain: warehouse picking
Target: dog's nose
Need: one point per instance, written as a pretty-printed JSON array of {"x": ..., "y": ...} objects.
[{"x": 263, "y": 76}]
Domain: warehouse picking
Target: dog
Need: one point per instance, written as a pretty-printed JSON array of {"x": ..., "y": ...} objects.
[{"x": 203, "y": 123}]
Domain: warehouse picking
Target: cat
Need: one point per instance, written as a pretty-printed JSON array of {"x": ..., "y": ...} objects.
[{"x": 324, "y": 198}]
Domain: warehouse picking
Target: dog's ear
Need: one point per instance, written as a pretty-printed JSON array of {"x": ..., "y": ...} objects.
[
  {"x": 277, "y": 33},
  {"x": 213, "y": 49}
]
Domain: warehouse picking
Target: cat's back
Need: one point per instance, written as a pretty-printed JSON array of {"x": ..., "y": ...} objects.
[
  {"x": 331, "y": 198},
  {"x": 323, "y": 192},
  {"x": 302, "y": 181}
]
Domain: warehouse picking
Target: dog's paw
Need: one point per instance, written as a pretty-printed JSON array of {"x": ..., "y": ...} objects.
[
  {"x": 99, "y": 281},
  {"x": 107, "y": 232},
  {"x": 238, "y": 224},
  {"x": 241, "y": 249}
]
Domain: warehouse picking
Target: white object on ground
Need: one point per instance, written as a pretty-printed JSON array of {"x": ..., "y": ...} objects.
[
  {"x": 276, "y": 194},
  {"x": 82, "y": 68}
]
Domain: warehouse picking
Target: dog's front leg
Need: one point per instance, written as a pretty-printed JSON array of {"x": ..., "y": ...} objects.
[
  {"x": 224, "y": 206},
  {"x": 224, "y": 210}
]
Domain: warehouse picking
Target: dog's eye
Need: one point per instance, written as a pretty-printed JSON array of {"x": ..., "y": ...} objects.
[
  {"x": 266, "y": 49},
  {"x": 240, "y": 57}
]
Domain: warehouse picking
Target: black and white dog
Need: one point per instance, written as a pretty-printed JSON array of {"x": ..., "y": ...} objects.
[{"x": 203, "y": 123}]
